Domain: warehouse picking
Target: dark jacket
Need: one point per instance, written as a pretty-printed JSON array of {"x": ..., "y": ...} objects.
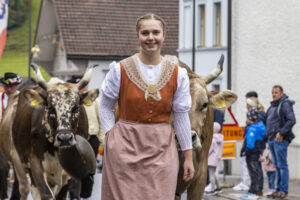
[
  {"x": 262, "y": 117},
  {"x": 286, "y": 118},
  {"x": 219, "y": 117},
  {"x": 254, "y": 139}
]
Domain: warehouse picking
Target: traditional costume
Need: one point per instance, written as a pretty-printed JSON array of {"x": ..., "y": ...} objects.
[
  {"x": 141, "y": 158},
  {"x": 9, "y": 79}
]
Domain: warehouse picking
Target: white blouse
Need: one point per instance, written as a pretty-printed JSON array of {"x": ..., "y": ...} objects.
[{"x": 180, "y": 106}]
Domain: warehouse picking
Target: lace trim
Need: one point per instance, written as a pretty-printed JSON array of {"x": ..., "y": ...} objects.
[{"x": 133, "y": 72}]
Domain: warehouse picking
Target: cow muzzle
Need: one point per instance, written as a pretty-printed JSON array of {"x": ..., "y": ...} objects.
[
  {"x": 64, "y": 138},
  {"x": 196, "y": 141}
]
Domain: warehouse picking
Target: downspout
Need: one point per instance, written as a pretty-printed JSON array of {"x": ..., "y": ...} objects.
[
  {"x": 229, "y": 44},
  {"x": 227, "y": 163},
  {"x": 193, "y": 48}
]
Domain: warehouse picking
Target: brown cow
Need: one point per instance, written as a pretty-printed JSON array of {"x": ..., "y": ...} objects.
[
  {"x": 201, "y": 117},
  {"x": 7, "y": 146},
  {"x": 46, "y": 119}
]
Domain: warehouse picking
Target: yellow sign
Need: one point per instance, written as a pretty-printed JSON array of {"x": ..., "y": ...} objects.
[
  {"x": 233, "y": 132},
  {"x": 228, "y": 150}
]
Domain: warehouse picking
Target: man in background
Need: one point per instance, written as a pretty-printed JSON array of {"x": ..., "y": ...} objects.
[{"x": 280, "y": 119}]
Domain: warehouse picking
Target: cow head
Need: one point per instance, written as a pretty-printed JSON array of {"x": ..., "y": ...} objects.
[
  {"x": 62, "y": 103},
  {"x": 202, "y": 99}
]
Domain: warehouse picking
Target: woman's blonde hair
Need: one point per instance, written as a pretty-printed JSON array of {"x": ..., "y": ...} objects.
[
  {"x": 147, "y": 17},
  {"x": 253, "y": 102}
]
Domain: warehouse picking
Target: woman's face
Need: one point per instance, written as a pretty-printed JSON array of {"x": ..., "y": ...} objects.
[{"x": 151, "y": 36}]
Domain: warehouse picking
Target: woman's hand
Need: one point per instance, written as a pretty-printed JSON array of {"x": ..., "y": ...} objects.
[{"x": 188, "y": 165}]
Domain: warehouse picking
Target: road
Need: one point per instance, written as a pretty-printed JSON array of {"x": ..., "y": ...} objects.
[
  {"x": 97, "y": 191},
  {"x": 228, "y": 194}
]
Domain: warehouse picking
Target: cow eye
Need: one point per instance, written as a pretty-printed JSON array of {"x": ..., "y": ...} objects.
[{"x": 203, "y": 106}]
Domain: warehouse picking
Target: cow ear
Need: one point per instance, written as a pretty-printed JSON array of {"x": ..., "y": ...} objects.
[
  {"x": 87, "y": 98},
  {"x": 33, "y": 97},
  {"x": 224, "y": 99}
]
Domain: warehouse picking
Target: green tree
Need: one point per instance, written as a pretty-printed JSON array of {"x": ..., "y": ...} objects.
[{"x": 17, "y": 13}]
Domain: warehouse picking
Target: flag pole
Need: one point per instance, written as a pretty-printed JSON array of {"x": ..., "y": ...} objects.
[{"x": 29, "y": 39}]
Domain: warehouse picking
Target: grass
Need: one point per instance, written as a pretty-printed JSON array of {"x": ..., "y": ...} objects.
[{"x": 15, "y": 55}]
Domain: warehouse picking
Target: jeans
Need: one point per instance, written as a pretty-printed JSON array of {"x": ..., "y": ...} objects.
[
  {"x": 271, "y": 179},
  {"x": 260, "y": 178},
  {"x": 279, "y": 155},
  {"x": 252, "y": 165}
]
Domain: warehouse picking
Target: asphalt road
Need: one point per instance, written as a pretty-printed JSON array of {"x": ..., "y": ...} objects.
[{"x": 96, "y": 195}]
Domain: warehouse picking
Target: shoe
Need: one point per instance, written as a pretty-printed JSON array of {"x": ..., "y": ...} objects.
[
  {"x": 208, "y": 188},
  {"x": 210, "y": 193},
  {"x": 240, "y": 187},
  {"x": 219, "y": 190},
  {"x": 250, "y": 196},
  {"x": 281, "y": 196},
  {"x": 274, "y": 195},
  {"x": 269, "y": 193},
  {"x": 259, "y": 193}
]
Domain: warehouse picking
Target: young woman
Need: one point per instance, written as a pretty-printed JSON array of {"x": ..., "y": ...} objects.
[{"x": 141, "y": 158}]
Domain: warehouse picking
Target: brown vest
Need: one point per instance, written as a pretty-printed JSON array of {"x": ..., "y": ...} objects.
[{"x": 135, "y": 104}]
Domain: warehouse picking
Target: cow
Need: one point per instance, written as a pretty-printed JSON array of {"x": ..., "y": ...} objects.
[
  {"x": 8, "y": 150},
  {"x": 201, "y": 118},
  {"x": 44, "y": 119}
]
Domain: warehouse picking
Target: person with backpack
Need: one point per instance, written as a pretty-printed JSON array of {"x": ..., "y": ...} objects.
[
  {"x": 280, "y": 119},
  {"x": 252, "y": 146}
]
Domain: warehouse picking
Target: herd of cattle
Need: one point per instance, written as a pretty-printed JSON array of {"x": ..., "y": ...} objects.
[{"x": 44, "y": 118}]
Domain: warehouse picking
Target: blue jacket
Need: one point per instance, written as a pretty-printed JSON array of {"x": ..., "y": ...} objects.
[
  {"x": 254, "y": 139},
  {"x": 284, "y": 111}
]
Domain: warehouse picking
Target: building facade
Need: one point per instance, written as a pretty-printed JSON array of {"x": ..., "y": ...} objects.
[
  {"x": 208, "y": 20},
  {"x": 263, "y": 44},
  {"x": 265, "y": 52}
]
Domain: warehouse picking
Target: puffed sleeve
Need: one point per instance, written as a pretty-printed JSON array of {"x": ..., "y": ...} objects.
[
  {"x": 181, "y": 105},
  {"x": 182, "y": 99},
  {"x": 109, "y": 96},
  {"x": 111, "y": 84}
]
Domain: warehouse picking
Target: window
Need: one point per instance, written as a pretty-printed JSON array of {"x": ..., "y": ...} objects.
[
  {"x": 201, "y": 33},
  {"x": 217, "y": 24},
  {"x": 187, "y": 32}
]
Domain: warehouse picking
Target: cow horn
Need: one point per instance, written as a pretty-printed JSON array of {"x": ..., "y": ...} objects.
[
  {"x": 217, "y": 71},
  {"x": 38, "y": 76},
  {"x": 86, "y": 77}
]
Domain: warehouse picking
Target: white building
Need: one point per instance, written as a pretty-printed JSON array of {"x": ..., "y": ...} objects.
[
  {"x": 265, "y": 52},
  {"x": 210, "y": 38},
  {"x": 264, "y": 45}
]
